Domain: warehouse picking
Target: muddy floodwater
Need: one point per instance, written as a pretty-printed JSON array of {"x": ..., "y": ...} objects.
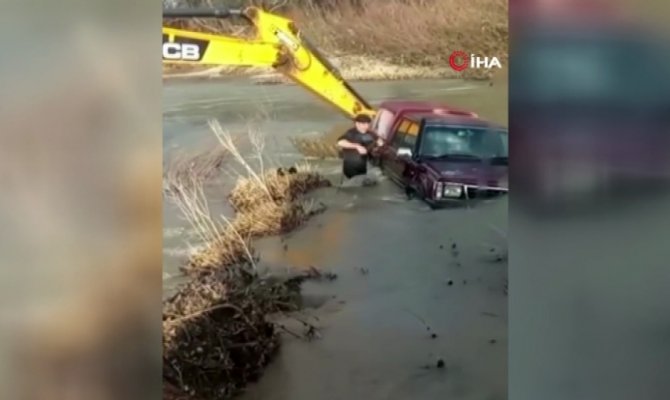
[{"x": 415, "y": 288}]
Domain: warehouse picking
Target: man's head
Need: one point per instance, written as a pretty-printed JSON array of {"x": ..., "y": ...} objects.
[{"x": 362, "y": 123}]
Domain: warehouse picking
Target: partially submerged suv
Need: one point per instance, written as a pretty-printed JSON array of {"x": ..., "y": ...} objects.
[{"x": 439, "y": 153}]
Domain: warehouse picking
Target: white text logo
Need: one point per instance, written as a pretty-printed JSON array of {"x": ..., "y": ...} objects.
[{"x": 179, "y": 51}]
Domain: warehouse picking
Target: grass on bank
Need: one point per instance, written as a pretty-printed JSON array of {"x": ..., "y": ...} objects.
[
  {"x": 409, "y": 32},
  {"x": 266, "y": 199}
]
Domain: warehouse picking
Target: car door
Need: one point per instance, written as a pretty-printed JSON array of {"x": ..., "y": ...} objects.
[
  {"x": 387, "y": 151},
  {"x": 403, "y": 138},
  {"x": 406, "y": 166},
  {"x": 390, "y": 162}
]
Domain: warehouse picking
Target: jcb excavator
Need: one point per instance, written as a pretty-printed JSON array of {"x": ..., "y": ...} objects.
[{"x": 278, "y": 43}]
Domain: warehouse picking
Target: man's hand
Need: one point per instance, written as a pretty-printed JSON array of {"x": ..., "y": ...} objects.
[
  {"x": 361, "y": 150},
  {"x": 380, "y": 142}
]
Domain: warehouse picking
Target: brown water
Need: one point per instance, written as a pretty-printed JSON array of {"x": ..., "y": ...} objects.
[{"x": 397, "y": 271}]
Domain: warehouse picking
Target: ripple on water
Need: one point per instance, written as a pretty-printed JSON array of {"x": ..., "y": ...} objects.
[
  {"x": 178, "y": 251},
  {"x": 169, "y": 233}
]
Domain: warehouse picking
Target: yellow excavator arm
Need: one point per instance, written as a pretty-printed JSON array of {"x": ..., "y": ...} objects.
[{"x": 277, "y": 44}]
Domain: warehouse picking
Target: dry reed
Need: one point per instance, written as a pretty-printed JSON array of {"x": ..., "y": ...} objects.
[{"x": 216, "y": 333}]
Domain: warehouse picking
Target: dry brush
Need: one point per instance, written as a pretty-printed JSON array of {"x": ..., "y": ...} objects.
[{"x": 217, "y": 336}]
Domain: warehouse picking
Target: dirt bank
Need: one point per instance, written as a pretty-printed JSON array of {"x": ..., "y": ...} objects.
[
  {"x": 415, "y": 39},
  {"x": 217, "y": 336},
  {"x": 351, "y": 67}
]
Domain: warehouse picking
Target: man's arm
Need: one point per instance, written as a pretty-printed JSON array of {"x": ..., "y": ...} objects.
[{"x": 345, "y": 142}]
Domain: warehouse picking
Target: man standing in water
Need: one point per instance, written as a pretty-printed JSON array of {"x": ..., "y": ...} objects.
[{"x": 355, "y": 144}]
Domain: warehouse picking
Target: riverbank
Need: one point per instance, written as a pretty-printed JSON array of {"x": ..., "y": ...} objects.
[
  {"x": 352, "y": 68},
  {"x": 217, "y": 335},
  {"x": 414, "y": 41}
]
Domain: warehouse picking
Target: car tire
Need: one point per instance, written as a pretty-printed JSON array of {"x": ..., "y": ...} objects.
[{"x": 422, "y": 196}]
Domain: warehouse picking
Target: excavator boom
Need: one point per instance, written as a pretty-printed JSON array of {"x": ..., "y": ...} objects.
[{"x": 277, "y": 44}]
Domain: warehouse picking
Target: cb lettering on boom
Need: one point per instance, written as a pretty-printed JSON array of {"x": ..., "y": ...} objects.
[{"x": 181, "y": 51}]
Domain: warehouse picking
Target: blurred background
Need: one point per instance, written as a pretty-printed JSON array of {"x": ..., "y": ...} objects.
[
  {"x": 80, "y": 215},
  {"x": 590, "y": 211}
]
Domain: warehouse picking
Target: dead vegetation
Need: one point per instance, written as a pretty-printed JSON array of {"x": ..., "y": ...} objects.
[
  {"x": 318, "y": 147},
  {"x": 391, "y": 39},
  {"x": 216, "y": 333},
  {"x": 321, "y": 146},
  {"x": 266, "y": 201},
  {"x": 419, "y": 33}
]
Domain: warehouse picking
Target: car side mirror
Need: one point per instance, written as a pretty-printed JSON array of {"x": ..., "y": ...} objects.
[{"x": 404, "y": 152}]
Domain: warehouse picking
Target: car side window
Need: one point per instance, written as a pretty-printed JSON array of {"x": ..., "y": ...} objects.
[
  {"x": 409, "y": 139},
  {"x": 398, "y": 139},
  {"x": 400, "y": 133}
]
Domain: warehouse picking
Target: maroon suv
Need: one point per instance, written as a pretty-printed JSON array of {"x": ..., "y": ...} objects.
[{"x": 441, "y": 154}]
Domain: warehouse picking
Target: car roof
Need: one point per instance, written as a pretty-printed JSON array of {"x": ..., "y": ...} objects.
[
  {"x": 437, "y": 113},
  {"x": 418, "y": 106},
  {"x": 450, "y": 119}
]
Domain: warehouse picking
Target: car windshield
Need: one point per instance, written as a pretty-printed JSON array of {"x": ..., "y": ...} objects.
[{"x": 463, "y": 143}]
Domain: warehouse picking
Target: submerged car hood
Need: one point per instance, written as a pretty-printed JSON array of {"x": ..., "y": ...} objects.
[{"x": 469, "y": 173}]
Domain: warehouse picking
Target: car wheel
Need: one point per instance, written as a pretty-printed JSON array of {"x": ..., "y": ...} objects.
[{"x": 422, "y": 196}]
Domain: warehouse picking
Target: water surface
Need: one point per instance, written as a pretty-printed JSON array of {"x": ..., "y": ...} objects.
[{"x": 398, "y": 274}]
